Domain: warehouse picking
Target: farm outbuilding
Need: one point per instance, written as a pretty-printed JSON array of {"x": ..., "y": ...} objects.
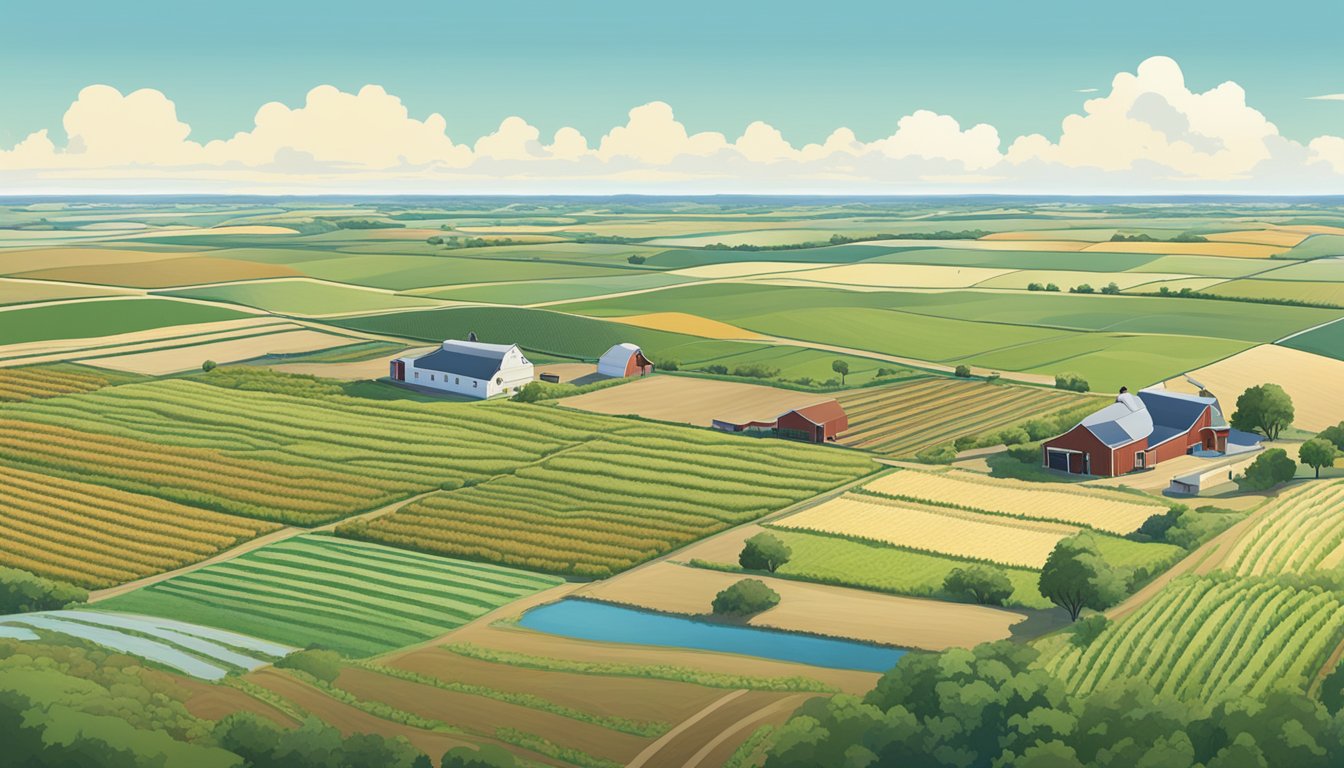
[
  {"x": 623, "y": 360},
  {"x": 1139, "y": 431},
  {"x": 467, "y": 368},
  {"x": 816, "y": 423}
]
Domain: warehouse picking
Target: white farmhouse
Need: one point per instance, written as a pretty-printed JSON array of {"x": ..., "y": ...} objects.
[{"x": 467, "y": 368}]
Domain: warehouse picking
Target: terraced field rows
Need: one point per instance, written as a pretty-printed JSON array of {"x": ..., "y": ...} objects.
[
  {"x": 1301, "y": 531},
  {"x": 355, "y": 597},
  {"x": 606, "y": 505},
  {"x": 19, "y": 384},
  {"x": 902, "y": 419},
  {"x": 1104, "y": 510},
  {"x": 96, "y": 536},
  {"x": 933, "y": 529},
  {"x": 1202, "y": 638}
]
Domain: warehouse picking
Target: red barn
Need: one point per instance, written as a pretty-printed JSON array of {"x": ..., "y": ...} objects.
[
  {"x": 1137, "y": 432},
  {"x": 624, "y": 360},
  {"x": 815, "y": 423}
]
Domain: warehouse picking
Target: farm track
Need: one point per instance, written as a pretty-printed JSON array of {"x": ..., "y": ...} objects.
[{"x": 242, "y": 549}]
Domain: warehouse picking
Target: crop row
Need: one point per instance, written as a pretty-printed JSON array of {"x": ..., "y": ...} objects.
[
  {"x": 942, "y": 530},
  {"x": 902, "y": 419},
  {"x": 1204, "y": 638},
  {"x": 601, "y": 507},
  {"x": 352, "y": 596},
  {"x": 96, "y": 536},
  {"x": 1108, "y": 512},
  {"x": 20, "y": 384},
  {"x": 1299, "y": 532}
]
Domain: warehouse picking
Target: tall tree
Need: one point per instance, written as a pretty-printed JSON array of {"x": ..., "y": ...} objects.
[
  {"x": 841, "y": 367},
  {"x": 1264, "y": 408},
  {"x": 1076, "y": 576},
  {"x": 1318, "y": 452}
]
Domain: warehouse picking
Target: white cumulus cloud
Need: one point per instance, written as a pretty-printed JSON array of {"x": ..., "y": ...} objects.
[{"x": 1151, "y": 132}]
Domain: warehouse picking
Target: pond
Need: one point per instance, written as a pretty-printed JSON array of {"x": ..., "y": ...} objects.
[{"x": 589, "y": 620}]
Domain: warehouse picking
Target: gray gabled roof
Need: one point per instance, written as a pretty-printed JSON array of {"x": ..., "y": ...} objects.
[
  {"x": 465, "y": 358},
  {"x": 1121, "y": 422}
]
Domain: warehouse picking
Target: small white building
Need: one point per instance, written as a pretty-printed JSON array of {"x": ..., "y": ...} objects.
[
  {"x": 468, "y": 368},
  {"x": 624, "y": 360}
]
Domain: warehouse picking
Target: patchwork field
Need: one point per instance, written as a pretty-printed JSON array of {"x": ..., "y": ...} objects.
[
  {"x": 902, "y": 419},
  {"x": 1327, "y": 341},
  {"x": 355, "y": 597},
  {"x": 615, "y": 501},
  {"x": 164, "y": 273},
  {"x": 160, "y": 362},
  {"x": 28, "y": 292},
  {"x": 96, "y": 536},
  {"x": 692, "y": 400},
  {"x": 828, "y": 559},
  {"x": 1312, "y": 381},
  {"x": 103, "y": 318},
  {"x": 1109, "y": 511},
  {"x": 926, "y": 528},
  {"x": 304, "y": 297}
]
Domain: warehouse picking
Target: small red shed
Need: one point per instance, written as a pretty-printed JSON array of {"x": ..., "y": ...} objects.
[{"x": 817, "y": 423}]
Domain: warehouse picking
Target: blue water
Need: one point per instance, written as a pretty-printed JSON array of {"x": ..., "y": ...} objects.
[{"x": 588, "y": 620}]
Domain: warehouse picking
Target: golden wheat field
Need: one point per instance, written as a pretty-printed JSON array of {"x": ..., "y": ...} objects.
[
  {"x": 1115, "y": 512},
  {"x": 96, "y": 536},
  {"x": 1233, "y": 250},
  {"x": 681, "y": 322},
  {"x": 933, "y": 529},
  {"x": 1280, "y": 237},
  {"x": 1312, "y": 381},
  {"x": 159, "y": 362}
]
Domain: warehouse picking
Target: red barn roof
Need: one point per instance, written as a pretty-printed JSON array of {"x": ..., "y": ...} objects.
[{"x": 821, "y": 413}]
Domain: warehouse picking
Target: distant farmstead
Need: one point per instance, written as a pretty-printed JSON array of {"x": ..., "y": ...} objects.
[
  {"x": 624, "y": 360},
  {"x": 468, "y": 368},
  {"x": 1140, "y": 431},
  {"x": 817, "y": 423}
]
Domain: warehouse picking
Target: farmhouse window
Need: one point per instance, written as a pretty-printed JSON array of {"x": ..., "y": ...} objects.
[
  {"x": 431, "y": 377},
  {"x": 499, "y": 379},
  {"x": 457, "y": 379},
  {"x": 474, "y": 384},
  {"x": 417, "y": 374}
]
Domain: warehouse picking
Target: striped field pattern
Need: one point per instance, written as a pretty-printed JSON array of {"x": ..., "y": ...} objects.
[
  {"x": 20, "y": 384},
  {"x": 902, "y": 419},
  {"x": 1300, "y": 531},
  {"x": 354, "y": 597},
  {"x": 1105, "y": 510},
  {"x": 613, "y": 502},
  {"x": 926, "y": 528},
  {"x": 1204, "y": 638},
  {"x": 96, "y": 536}
]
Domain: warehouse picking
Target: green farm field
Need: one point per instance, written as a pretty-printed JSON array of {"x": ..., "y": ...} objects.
[
  {"x": 104, "y": 318},
  {"x": 357, "y": 598},
  {"x": 300, "y": 297}
]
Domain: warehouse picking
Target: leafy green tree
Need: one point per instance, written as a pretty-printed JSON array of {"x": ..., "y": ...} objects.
[
  {"x": 1268, "y": 470},
  {"x": 209, "y": 365},
  {"x": 1111, "y": 289},
  {"x": 745, "y": 598},
  {"x": 1082, "y": 288},
  {"x": 1089, "y": 629},
  {"x": 323, "y": 664},
  {"x": 1071, "y": 382},
  {"x": 962, "y": 371},
  {"x": 764, "y": 552},
  {"x": 1076, "y": 576},
  {"x": 1318, "y": 452},
  {"x": 1264, "y": 408},
  {"x": 841, "y": 367},
  {"x": 1334, "y": 434},
  {"x": 983, "y": 584},
  {"x": 21, "y": 592},
  {"x": 1052, "y": 287}
]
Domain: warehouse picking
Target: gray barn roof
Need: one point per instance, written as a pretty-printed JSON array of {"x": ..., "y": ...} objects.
[
  {"x": 1156, "y": 414},
  {"x": 465, "y": 358}
]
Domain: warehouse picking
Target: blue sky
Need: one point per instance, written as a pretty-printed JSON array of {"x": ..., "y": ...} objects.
[{"x": 805, "y": 68}]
